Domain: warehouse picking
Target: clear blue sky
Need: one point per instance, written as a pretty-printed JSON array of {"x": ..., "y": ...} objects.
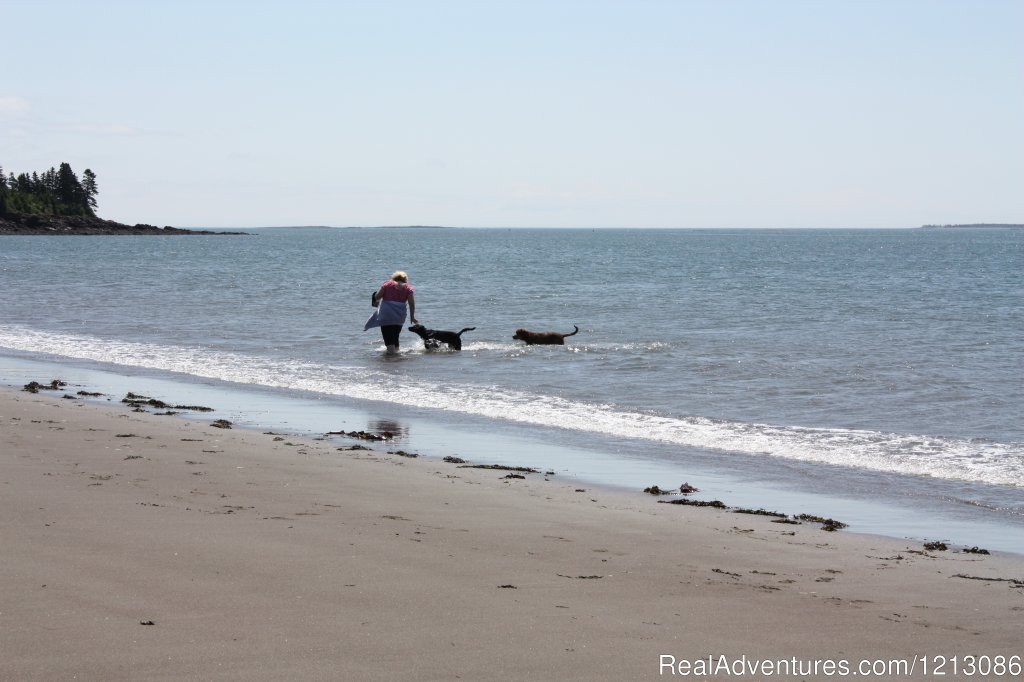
[{"x": 685, "y": 113}]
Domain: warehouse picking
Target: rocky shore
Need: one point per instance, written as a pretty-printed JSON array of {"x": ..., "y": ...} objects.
[{"x": 36, "y": 224}]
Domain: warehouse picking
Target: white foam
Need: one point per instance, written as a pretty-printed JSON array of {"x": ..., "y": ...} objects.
[{"x": 980, "y": 462}]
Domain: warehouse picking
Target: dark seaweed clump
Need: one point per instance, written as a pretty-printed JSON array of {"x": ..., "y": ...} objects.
[
  {"x": 831, "y": 525},
  {"x": 139, "y": 401},
  {"x": 761, "y": 512},
  {"x": 35, "y": 386},
  {"x": 717, "y": 504}
]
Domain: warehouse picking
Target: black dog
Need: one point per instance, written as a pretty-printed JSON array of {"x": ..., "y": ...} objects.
[{"x": 433, "y": 338}]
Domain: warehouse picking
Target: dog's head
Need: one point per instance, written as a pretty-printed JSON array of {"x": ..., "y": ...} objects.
[
  {"x": 418, "y": 329},
  {"x": 521, "y": 334}
]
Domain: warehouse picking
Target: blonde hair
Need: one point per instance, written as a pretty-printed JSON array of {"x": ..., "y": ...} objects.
[{"x": 400, "y": 276}]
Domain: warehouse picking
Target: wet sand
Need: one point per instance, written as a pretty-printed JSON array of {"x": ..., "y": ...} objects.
[{"x": 138, "y": 546}]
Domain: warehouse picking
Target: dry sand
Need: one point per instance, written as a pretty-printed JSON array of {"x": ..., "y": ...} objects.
[{"x": 145, "y": 547}]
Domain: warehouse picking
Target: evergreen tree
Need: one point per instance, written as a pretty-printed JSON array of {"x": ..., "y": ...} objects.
[
  {"x": 69, "y": 190},
  {"x": 51, "y": 180},
  {"x": 89, "y": 185}
]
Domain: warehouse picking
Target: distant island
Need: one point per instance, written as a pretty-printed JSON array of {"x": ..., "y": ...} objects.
[
  {"x": 398, "y": 227},
  {"x": 972, "y": 225},
  {"x": 57, "y": 202}
]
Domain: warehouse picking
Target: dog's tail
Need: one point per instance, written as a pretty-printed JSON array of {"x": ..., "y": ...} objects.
[
  {"x": 575, "y": 331},
  {"x": 467, "y": 329}
]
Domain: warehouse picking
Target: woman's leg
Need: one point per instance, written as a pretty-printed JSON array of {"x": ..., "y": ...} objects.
[{"x": 390, "y": 333}]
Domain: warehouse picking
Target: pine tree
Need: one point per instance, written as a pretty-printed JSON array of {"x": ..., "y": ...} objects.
[
  {"x": 69, "y": 191},
  {"x": 49, "y": 179},
  {"x": 89, "y": 186}
]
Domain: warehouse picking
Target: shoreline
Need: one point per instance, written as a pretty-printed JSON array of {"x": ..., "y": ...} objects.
[
  {"x": 38, "y": 224},
  {"x": 884, "y": 508},
  {"x": 141, "y": 545}
]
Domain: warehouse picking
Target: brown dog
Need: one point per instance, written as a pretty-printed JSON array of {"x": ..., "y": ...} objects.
[{"x": 543, "y": 338}]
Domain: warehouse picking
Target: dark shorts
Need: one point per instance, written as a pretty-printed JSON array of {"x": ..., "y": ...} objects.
[{"x": 390, "y": 333}]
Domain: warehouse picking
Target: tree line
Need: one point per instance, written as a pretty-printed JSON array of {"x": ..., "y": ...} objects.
[{"x": 57, "y": 191}]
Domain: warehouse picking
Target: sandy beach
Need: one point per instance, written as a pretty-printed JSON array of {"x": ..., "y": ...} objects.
[{"x": 138, "y": 546}]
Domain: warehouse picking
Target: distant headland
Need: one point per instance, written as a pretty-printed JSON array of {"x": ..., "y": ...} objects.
[
  {"x": 35, "y": 224},
  {"x": 973, "y": 225},
  {"x": 57, "y": 202}
]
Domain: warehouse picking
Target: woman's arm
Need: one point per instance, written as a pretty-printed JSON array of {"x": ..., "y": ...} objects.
[{"x": 412, "y": 308}]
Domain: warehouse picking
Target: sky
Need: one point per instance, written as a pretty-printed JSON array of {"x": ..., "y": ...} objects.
[{"x": 524, "y": 113}]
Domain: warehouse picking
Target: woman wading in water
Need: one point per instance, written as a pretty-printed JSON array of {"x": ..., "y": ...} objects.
[{"x": 390, "y": 300}]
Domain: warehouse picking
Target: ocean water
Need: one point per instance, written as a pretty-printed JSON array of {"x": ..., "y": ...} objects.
[{"x": 879, "y": 373}]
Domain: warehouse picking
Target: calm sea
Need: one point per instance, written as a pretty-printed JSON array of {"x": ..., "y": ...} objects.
[{"x": 881, "y": 369}]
